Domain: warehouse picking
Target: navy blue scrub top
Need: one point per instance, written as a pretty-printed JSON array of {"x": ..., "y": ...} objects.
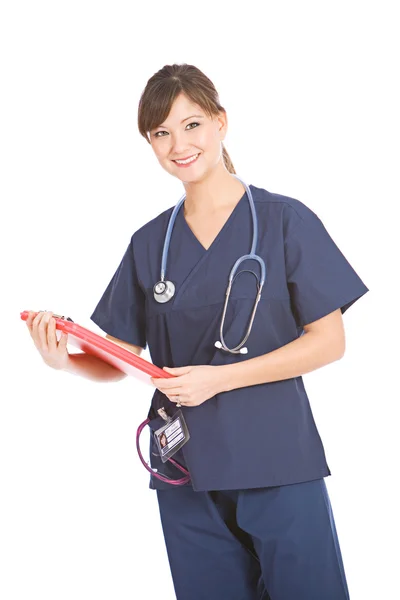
[{"x": 260, "y": 435}]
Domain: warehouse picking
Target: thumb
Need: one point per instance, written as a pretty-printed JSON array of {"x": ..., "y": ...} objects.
[
  {"x": 63, "y": 340},
  {"x": 177, "y": 370}
]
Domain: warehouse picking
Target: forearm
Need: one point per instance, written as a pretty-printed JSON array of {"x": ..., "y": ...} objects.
[
  {"x": 302, "y": 355},
  {"x": 91, "y": 367}
]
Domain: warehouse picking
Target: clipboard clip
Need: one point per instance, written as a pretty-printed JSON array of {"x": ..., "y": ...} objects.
[{"x": 61, "y": 317}]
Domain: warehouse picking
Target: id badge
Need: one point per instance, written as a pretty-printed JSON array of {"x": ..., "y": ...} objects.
[{"x": 172, "y": 436}]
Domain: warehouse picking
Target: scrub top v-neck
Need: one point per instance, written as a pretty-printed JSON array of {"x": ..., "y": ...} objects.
[
  {"x": 260, "y": 435},
  {"x": 196, "y": 255},
  {"x": 221, "y": 231}
]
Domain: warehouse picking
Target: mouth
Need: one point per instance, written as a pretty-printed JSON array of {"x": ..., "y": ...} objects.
[{"x": 190, "y": 160}]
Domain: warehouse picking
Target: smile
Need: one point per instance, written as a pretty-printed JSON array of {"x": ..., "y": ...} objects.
[{"x": 187, "y": 161}]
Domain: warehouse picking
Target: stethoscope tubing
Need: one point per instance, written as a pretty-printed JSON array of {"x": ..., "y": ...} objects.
[{"x": 168, "y": 288}]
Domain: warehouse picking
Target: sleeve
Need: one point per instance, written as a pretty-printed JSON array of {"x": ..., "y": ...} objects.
[
  {"x": 319, "y": 277},
  {"x": 121, "y": 309}
]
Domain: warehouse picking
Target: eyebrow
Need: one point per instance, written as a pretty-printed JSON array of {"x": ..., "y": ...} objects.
[{"x": 197, "y": 116}]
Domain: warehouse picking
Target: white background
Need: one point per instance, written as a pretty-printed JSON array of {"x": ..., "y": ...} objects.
[{"x": 310, "y": 93}]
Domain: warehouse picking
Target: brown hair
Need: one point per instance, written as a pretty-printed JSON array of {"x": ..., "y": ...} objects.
[{"x": 162, "y": 89}]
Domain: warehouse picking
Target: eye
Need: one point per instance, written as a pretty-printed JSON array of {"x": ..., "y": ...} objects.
[{"x": 188, "y": 125}]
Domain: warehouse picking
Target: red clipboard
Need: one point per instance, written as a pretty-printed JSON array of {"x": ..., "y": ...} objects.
[{"x": 112, "y": 353}]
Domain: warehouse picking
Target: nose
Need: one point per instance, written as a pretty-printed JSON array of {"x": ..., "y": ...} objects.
[{"x": 179, "y": 144}]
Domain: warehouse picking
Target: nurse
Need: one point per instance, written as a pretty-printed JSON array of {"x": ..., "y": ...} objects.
[{"x": 253, "y": 520}]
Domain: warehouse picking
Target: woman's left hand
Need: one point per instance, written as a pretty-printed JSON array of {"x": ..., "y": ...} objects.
[{"x": 192, "y": 385}]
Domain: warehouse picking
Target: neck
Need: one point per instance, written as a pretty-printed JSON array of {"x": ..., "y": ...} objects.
[{"x": 219, "y": 191}]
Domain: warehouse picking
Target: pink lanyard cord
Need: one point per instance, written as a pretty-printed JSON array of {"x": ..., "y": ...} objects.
[{"x": 181, "y": 481}]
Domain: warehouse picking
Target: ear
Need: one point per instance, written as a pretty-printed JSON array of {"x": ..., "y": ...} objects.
[{"x": 222, "y": 121}]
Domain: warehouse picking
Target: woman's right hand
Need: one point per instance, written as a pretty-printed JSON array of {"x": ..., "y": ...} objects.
[{"x": 42, "y": 328}]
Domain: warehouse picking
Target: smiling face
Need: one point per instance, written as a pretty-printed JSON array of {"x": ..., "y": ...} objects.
[{"x": 189, "y": 134}]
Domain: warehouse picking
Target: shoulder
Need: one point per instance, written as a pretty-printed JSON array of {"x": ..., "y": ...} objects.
[
  {"x": 291, "y": 212},
  {"x": 299, "y": 210},
  {"x": 152, "y": 229}
]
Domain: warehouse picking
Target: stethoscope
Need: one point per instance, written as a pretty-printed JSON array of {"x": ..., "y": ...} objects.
[{"x": 165, "y": 290}]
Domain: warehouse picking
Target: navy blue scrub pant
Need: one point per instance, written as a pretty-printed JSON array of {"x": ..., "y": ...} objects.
[{"x": 274, "y": 543}]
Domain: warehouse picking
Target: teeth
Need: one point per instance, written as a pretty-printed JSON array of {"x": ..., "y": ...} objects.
[{"x": 185, "y": 162}]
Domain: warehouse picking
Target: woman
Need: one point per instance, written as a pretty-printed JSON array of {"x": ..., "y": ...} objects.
[{"x": 254, "y": 521}]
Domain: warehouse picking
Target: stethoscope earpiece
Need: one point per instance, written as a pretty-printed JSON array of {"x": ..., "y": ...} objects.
[
  {"x": 241, "y": 351},
  {"x": 163, "y": 290}
]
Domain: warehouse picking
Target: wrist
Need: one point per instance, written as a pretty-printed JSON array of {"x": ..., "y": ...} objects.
[{"x": 225, "y": 378}]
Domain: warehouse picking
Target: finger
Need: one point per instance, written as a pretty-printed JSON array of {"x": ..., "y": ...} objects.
[
  {"x": 63, "y": 341},
  {"x": 178, "y": 402},
  {"x": 51, "y": 335},
  {"x": 172, "y": 392},
  {"x": 39, "y": 315},
  {"x": 29, "y": 319},
  {"x": 177, "y": 371},
  {"x": 35, "y": 328},
  {"x": 178, "y": 399},
  {"x": 167, "y": 383},
  {"x": 42, "y": 330}
]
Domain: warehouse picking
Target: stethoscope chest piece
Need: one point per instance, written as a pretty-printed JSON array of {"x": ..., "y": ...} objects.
[{"x": 163, "y": 291}]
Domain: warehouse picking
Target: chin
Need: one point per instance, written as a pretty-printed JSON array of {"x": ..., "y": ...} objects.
[{"x": 190, "y": 178}]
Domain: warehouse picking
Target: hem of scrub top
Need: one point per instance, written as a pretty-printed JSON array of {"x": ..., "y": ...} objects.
[{"x": 257, "y": 487}]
